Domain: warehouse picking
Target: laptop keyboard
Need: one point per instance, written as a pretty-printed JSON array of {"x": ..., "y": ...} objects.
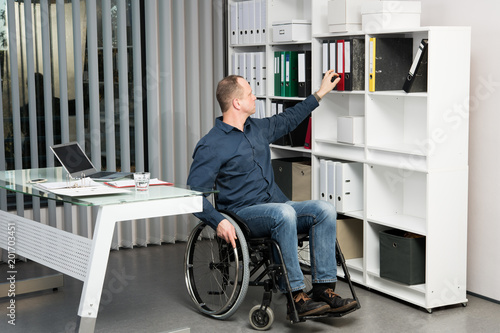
[{"x": 101, "y": 174}]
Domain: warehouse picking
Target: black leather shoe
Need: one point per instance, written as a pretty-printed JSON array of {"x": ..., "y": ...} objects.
[
  {"x": 337, "y": 304},
  {"x": 306, "y": 306}
]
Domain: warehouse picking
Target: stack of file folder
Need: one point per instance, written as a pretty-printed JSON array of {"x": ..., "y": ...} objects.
[
  {"x": 292, "y": 73},
  {"x": 251, "y": 66},
  {"x": 248, "y": 22},
  {"x": 347, "y": 58},
  {"x": 341, "y": 183}
]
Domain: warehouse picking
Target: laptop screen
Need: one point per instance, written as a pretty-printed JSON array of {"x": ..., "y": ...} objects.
[{"x": 72, "y": 158}]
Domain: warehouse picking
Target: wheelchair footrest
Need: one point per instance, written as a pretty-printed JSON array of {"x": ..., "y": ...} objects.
[{"x": 327, "y": 314}]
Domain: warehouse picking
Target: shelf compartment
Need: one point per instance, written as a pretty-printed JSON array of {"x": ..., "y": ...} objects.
[
  {"x": 412, "y": 294},
  {"x": 333, "y": 106},
  {"x": 372, "y": 254},
  {"x": 397, "y": 198},
  {"x": 397, "y": 123}
]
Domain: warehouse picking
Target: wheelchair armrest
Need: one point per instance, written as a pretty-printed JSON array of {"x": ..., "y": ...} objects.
[{"x": 239, "y": 221}]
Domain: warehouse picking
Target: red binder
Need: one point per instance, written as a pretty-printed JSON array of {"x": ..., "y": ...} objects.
[{"x": 307, "y": 141}]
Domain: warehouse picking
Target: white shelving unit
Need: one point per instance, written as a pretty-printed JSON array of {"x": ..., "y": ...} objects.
[{"x": 415, "y": 155}]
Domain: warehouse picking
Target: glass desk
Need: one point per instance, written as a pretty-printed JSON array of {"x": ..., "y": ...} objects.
[{"x": 80, "y": 257}]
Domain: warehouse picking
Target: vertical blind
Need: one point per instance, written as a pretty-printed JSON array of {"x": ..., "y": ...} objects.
[{"x": 132, "y": 81}]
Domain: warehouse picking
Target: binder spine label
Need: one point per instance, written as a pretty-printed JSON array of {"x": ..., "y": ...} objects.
[
  {"x": 372, "y": 64},
  {"x": 347, "y": 58},
  {"x": 413, "y": 67}
]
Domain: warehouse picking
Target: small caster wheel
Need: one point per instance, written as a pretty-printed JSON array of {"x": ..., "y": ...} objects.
[
  {"x": 261, "y": 320},
  {"x": 464, "y": 304},
  {"x": 429, "y": 310}
]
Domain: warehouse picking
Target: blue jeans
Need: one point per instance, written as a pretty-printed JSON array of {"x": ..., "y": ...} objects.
[{"x": 283, "y": 221}]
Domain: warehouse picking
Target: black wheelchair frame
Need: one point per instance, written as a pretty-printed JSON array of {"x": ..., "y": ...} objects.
[{"x": 217, "y": 276}]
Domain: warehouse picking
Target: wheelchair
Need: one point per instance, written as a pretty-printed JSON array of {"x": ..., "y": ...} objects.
[{"x": 217, "y": 276}]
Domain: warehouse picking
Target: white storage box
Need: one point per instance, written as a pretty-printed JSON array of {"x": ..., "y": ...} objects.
[
  {"x": 383, "y": 15},
  {"x": 345, "y": 15},
  {"x": 350, "y": 129},
  {"x": 292, "y": 31}
]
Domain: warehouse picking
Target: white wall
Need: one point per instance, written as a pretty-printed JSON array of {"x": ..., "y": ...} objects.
[{"x": 483, "y": 275}]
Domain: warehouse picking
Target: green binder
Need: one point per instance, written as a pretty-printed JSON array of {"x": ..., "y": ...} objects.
[{"x": 282, "y": 72}]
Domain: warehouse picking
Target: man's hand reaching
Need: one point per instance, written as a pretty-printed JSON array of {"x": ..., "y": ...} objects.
[{"x": 329, "y": 82}]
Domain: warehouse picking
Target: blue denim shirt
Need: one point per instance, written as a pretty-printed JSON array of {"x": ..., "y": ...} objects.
[{"x": 238, "y": 164}]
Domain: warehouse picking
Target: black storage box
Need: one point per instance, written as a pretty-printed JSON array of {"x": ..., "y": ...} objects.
[
  {"x": 402, "y": 256},
  {"x": 293, "y": 177}
]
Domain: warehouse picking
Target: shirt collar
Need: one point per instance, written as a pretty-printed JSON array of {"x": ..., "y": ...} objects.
[{"x": 226, "y": 127}]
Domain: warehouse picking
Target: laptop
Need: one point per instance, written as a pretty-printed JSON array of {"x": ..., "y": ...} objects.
[{"x": 75, "y": 162}]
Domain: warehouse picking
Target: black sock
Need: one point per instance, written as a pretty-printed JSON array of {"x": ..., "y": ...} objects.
[{"x": 318, "y": 288}]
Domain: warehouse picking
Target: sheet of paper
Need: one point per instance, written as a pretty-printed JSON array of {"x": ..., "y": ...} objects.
[
  {"x": 88, "y": 191},
  {"x": 79, "y": 188}
]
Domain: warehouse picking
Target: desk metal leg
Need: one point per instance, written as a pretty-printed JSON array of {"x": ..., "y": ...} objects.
[
  {"x": 96, "y": 270},
  {"x": 107, "y": 217}
]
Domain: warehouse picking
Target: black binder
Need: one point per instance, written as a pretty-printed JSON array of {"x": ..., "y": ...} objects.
[
  {"x": 392, "y": 58},
  {"x": 416, "y": 80},
  {"x": 304, "y": 73},
  {"x": 285, "y": 139},
  {"x": 298, "y": 135},
  {"x": 354, "y": 64}
]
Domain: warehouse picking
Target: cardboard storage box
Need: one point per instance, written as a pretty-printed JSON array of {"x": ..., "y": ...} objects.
[
  {"x": 383, "y": 15},
  {"x": 293, "y": 176},
  {"x": 292, "y": 31},
  {"x": 351, "y": 129},
  {"x": 345, "y": 15},
  {"x": 350, "y": 237},
  {"x": 402, "y": 256}
]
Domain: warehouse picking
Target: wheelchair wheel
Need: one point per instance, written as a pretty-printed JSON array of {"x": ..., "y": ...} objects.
[
  {"x": 261, "y": 320},
  {"x": 217, "y": 275}
]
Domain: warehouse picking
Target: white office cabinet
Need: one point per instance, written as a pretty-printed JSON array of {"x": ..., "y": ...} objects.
[{"x": 414, "y": 156}]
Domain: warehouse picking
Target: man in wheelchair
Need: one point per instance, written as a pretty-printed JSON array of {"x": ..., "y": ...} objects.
[{"x": 235, "y": 158}]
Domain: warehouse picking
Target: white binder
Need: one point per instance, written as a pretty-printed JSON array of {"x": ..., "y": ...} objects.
[
  {"x": 258, "y": 22},
  {"x": 260, "y": 73},
  {"x": 234, "y": 23},
  {"x": 349, "y": 187},
  {"x": 250, "y": 70},
  {"x": 326, "y": 58},
  {"x": 323, "y": 179},
  {"x": 331, "y": 193},
  {"x": 333, "y": 55}
]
